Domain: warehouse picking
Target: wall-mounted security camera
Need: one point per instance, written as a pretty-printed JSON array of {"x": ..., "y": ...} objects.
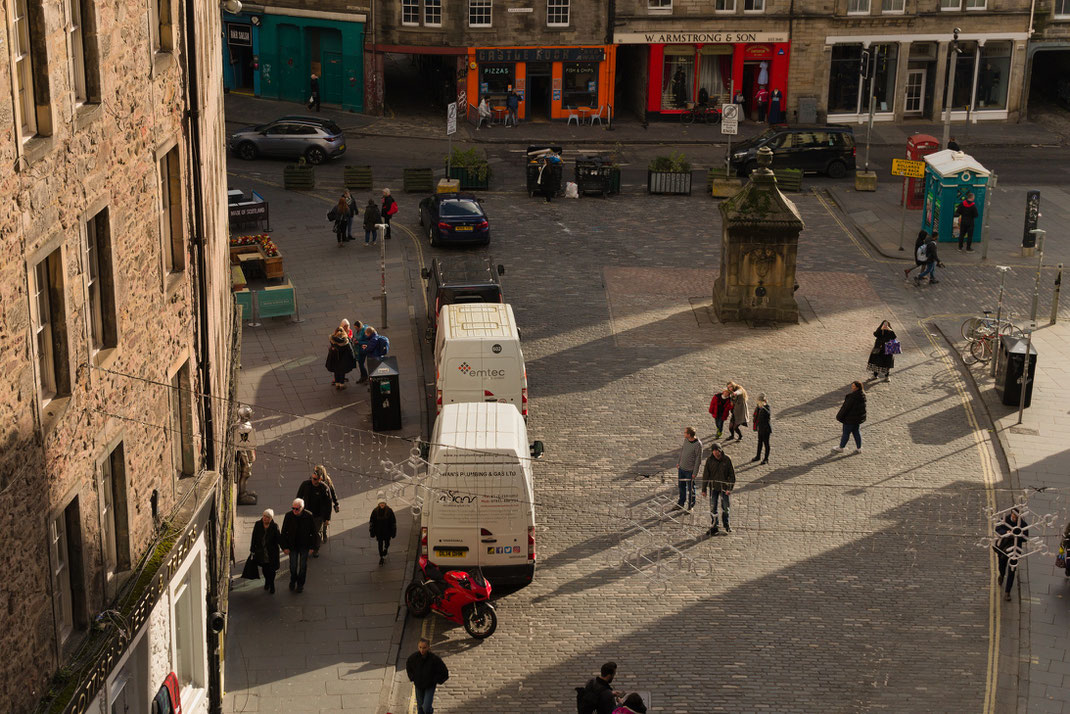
[{"x": 231, "y": 6}]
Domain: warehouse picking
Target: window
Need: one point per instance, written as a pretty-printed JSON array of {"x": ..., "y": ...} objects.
[
  {"x": 181, "y": 422},
  {"x": 77, "y": 48},
  {"x": 113, "y": 516},
  {"x": 495, "y": 81},
  {"x": 100, "y": 282},
  {"x": 25, "y": 107},
  {"x": 678, "y": 76},
  {"x": 557, "y": 12},
  {"x": 48, "y": 315},
  {"x": 993, "y": 75},
  {"x": 190, "y": 654},
  {"x": 725, "y": 5},
  {"x": 857, "y": 7},
  {"x": 1062, "y": 8},
  {"x": 660, "y": 5},
  {"x": 976, "y": 4},
  {"x": 893, "y": 7},
  {"x": 962, "y": 85},
  {"x": 160, "y": 25},
  {"x": 848, "y": 93},
  {"x": 580, "y": 84},
  {"x": 479, "y": 13},
  {"x": 174, "y": 248},
  {"x": 753, "y": 5},
  {"x": 433, "y": 13},
  {"x": 950, "y": 5},
  {"x": 68, "y": 586},
  {"x": 410, "y": 12}
]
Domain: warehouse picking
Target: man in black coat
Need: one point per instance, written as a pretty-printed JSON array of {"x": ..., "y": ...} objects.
[
  {"x": 426, "y": 671},
  {"x": 932, "y": 260},
  {"x": 719, "y": 478},
  {"x": 382, "y": 526},
  {"x": 298, "y": 537},
  {"x": 318, "y": 494},
  {"x": 597, "y": 697},
  {"x": 967, "y": 213}
]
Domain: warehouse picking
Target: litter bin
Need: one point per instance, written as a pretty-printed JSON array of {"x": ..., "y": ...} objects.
[
  {"x": 1010, "y": 370},
  {"x": 593, "y": 175},
  {"x": 385, "y": 388}
]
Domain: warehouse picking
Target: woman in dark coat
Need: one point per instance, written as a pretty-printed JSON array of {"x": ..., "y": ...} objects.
[
  {"x": 371, "y": 220},
  {"x": 763, "y": 417},
  {"x": 341, "y": 220},
  {"x": 265, "y": 548},
  {"x": 340, "y": 358},
  {"x": 852, "y": 414},
  {"x": 919, "y": 242},
  {"x": 879, "y": 362},
  {"x": 383, "y": 526}
]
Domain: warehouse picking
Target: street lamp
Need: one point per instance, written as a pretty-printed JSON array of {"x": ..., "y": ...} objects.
[{"x": 955, "y": 52}]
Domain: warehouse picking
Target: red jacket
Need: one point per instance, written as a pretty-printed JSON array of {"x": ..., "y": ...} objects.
[{"x": 720, "y": 407}]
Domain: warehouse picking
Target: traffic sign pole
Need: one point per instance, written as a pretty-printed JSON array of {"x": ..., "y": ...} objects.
[
  {"x": 907, "y": 168},
  {"x": 903, "y": 215}
]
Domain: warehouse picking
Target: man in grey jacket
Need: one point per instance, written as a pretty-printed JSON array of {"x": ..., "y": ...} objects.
[
  {"x": 690, "y": 460},
  {"x": 718, "y": 478}
]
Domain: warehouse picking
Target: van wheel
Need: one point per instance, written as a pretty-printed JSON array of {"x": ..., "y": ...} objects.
[
  {"x": 417, "y": 599},
  {"x": 480, "y": 620},
  {"x": 749, "y": 168},
  {"x": 836, "y": 170}
]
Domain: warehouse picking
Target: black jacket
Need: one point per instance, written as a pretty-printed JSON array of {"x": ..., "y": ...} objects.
[
  {"x": 719, "y": 474},
  {"x": 930, "y": 252},
  {"x": 340, "y": 357},
  {"x": 265, "y": 544},
  {"x": 853, "y": 410},
  {"x": 598, "y": 697},
  {"x": 426, "y": 670},
  {"x": 1012, "y": 535},
  {"x": 299, "y": 532},
  {"x": 383, "y": 524},
  {"x": 371, "y": 217},
  {"x": 318, "y": 499},
  {"x": 877, "y": 358},
  {"x": 763, "y": 418},
  {"x": 968, "y": 214}
]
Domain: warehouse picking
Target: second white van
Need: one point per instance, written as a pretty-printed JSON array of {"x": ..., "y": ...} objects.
[{"x": 478, "y": 356}]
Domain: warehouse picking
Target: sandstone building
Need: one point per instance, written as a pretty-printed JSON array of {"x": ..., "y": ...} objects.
[{"x": 116, "y": 354}]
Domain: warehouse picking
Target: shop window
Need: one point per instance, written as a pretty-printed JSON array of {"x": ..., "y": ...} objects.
[
  {"x": 993, "y": 75},
  {"x": 678, "y": 77},
  {"x": 1062, "y": 8},
  {"x": 962, "y": 88},
  {"x": 976, "y": 4},
  {"x": 100, "y": 282},
  {"x": 580, "y": 84},
  {"x": 659, "y": 5},
  {"x": 714, "y": 72},
  {"x": 433, "y": 13},
  {"x": 848, "y": 93},
  {"x": 479, "y": 13},
  {"x": 494, "y": 82},
  {"x": 753, "y": 5},
  {"x": 950, "y": 5},
  {"x": 725, "y": 6},
  {"x": 893, "y": 7},
  {"x": 557, "y": 13},
  {"x": 885, "y": 59},
  {"x": 48, "y": 317},
  {"x": 189, "y": 633},
  {"x": 410, "y": 12},
  {"x": 857, "y": 7}
]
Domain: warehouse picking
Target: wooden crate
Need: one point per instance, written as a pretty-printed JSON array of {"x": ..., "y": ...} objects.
[
  {"x": 358, "y": 178},
  {"x": 299, "y": 177},
  {"x": 788, "y": 179},
  {"x": 273, "y": 266}
]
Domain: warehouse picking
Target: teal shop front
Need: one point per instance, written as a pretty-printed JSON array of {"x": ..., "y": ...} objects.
[
  {"x": 293, "y": 48},
  {"x": 949, "y": 176}
]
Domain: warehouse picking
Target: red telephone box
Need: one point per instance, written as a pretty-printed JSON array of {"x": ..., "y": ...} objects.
[{"x": 918, "y": 146}]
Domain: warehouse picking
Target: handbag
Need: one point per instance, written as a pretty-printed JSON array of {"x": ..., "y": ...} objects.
[
  {"x": 250, "y": 571},
  {"x": 892, "y": 347},
  {"x": 1060, "y": 559}
]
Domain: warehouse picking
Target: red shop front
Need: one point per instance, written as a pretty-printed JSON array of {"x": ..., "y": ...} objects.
[{"x": 682, "y": 73}]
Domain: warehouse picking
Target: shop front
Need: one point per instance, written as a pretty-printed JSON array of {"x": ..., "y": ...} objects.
[
  {"x": 553, "y": 82},
  {"x": 686, "y": 67},
  {"x": 241, "y": 53}
]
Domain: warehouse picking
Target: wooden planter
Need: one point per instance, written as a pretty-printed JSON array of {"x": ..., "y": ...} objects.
[
  {"x": 674, "y": 183},
  {"x": 469, "y": 177},
  {"x": 788, "y": 179},
  {"x": 299, "y": 177},
  {"x": 418, "y": 181},
  {"x": 358, "y": 178},
  {"x": 272, "y": 266}
]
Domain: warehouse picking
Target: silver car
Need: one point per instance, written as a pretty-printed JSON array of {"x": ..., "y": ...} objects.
[{"x": 290, "y": 137}]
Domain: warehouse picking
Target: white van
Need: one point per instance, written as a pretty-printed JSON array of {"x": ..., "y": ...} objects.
[
  {"x": 480, "y": 507},
  {"x": 478, "y": 356}
]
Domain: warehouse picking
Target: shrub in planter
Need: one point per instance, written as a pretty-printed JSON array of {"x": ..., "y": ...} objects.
[
  {"x": 470, "y": 167},
  {"x": 669, "y": 174}
]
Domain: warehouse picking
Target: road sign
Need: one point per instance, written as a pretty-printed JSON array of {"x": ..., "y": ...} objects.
[
  {"x": 730, "y": 119},
  {"x": 451, "y": 119},
  {"x": 908, "y": 168}
]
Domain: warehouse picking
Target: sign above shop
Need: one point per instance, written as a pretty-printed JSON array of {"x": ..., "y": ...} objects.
[
  {"x": 239, "y": 35},
  {"x": 541, "y": 54},
  {"x": 697, "y": 38}
]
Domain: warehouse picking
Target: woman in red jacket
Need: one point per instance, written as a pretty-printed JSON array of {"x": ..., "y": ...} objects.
[{"x": 720, "y": 408}]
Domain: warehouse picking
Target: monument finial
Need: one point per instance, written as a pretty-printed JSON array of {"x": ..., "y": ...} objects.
[{"x": 765, "y": 159}]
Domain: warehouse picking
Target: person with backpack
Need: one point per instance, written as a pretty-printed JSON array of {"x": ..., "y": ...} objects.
[
  {"x": 371, "y": 219},
  {"x": 632, "y": 704},
  {"x": 388, "y": 209},
  {"x": 374, "y": 346},
  {"x": 967, "y": 215},
  {"x": 597, "y": 697},
  {"x": 919, "y": 256},
  {"x": 721, "y": 409},
  {"x": 932, "y": 259}
]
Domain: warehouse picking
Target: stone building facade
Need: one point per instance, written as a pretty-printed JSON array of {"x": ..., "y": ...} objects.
[
  {"x": 1047, "y": 68},
  {"x": 116, "y": 344}
]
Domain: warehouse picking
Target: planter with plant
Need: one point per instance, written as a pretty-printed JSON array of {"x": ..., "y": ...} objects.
[
  {"x": 669, "y": 175},
  {"x": 470, "y": 167}
]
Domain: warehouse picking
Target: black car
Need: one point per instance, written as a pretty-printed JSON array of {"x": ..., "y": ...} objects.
[
  {"x": 812, "y": 148},
  {"x": 460, "y": 281},
  {"x": 454, "y": 218}
]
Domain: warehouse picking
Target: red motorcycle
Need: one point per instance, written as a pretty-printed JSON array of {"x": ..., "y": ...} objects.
[{"x": 457, "y": 595}]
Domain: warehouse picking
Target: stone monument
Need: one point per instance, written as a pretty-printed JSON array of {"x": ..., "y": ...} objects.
[{"x": 759, "y": 245}]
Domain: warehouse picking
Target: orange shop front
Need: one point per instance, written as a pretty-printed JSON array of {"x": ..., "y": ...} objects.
[{"x": 551, "y": 81}]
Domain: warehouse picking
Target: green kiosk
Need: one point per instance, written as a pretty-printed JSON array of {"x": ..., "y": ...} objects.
[{"x": 949, "y": 177}]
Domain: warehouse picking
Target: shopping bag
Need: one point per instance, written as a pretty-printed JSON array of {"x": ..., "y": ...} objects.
[
  {"x": 892, "y": 347},
  {"x": 250, "y": 571}
]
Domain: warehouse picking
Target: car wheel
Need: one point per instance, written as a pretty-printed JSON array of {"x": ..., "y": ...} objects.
[
  {"x": 247, "y": 150},
  {"x": 315, "y": 155},
  {"x": 836, "y": 170},
  {"x": 432, "y": 236},
  {"x": 749, "y": 168},
  {"x": 421, "y": 219}
]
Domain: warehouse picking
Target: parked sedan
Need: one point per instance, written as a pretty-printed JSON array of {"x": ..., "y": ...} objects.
[
  {"x": 290, "y": 137},
  {"x": 454, "y": 218}
]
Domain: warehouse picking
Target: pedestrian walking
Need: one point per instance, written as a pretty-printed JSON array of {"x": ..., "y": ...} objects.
[
  {"x": 382, "y": 525},
  {"x": 852, "y": 415},
  {"x": 340, "y": 215},
  {"x": 512, "y": 107},
  {"x": 319, "y": 495},
  {"x": 314, "y": 92},
  {"x": 484, "y": 114},
  {"x": 372, "y": 218},
  {"x": 763, "y": 418},
  {"x": 297, "y": 538},
  {"x": 932, "y": 260},
  {"x": 632, "y": 704},
  {"x": 264, "y": 548},
  {"x": 718, "y": 479},
  {"x": 721, "y": 409},
  {"x": 1013, "y": 532},
  {"x": 882, "y": 356},
  {"x": 426, "y": 671},
  {"x": 686, "y": 467},
  {"x": 919, "y": 254},
  {"x": 740, "y": 411},
  {"x": 597, "y": 696},
  {"x": 967, "y": 215},
  {"x": 387, "y": 210},
  {"x": 351, "y": 205},
  {"x": 340, "y": 357}
]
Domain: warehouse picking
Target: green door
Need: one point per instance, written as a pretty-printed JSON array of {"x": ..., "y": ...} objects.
[
  {"x": 292, "y": 71},
  {"x": 331, "y": 83}
]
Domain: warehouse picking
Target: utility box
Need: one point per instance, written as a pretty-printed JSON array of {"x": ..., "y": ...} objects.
[
  {"x": 1011, "y": 368},
  {"x": 949, "y": 176},
  {"x": 384, "y": 384}
]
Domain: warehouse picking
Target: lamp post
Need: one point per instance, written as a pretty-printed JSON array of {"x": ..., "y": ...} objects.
[
  {"x": 954, "y": 49},
  {"x": 999, "y": 315}
]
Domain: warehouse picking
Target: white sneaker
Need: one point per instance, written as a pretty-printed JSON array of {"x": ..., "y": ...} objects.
[
  {"x": 837, "y": 448},
  {"x": 857, "y": 451}
]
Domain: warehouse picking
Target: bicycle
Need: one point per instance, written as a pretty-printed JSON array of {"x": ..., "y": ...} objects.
[
  {"x": 982, "y": 349},
  {"x": 974, "y": 328},
  {"x": 707, "y": 113}
]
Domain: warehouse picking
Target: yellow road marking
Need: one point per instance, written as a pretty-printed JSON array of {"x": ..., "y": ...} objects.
[{"x": 846, "y": 231}]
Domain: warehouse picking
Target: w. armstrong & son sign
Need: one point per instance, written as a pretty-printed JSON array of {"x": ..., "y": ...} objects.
[{"x": 700, "y": 37}]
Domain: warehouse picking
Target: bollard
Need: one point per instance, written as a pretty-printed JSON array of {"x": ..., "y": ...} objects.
[{"x": 1055, "y": 298}]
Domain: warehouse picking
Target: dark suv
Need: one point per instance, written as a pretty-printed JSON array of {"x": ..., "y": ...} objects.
[
  {"x": 812, "y": 148},
  {"x": 460, "y": 282}
]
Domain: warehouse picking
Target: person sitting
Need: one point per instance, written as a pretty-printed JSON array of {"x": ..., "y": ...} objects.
[{"x": 484, "y": 113}]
